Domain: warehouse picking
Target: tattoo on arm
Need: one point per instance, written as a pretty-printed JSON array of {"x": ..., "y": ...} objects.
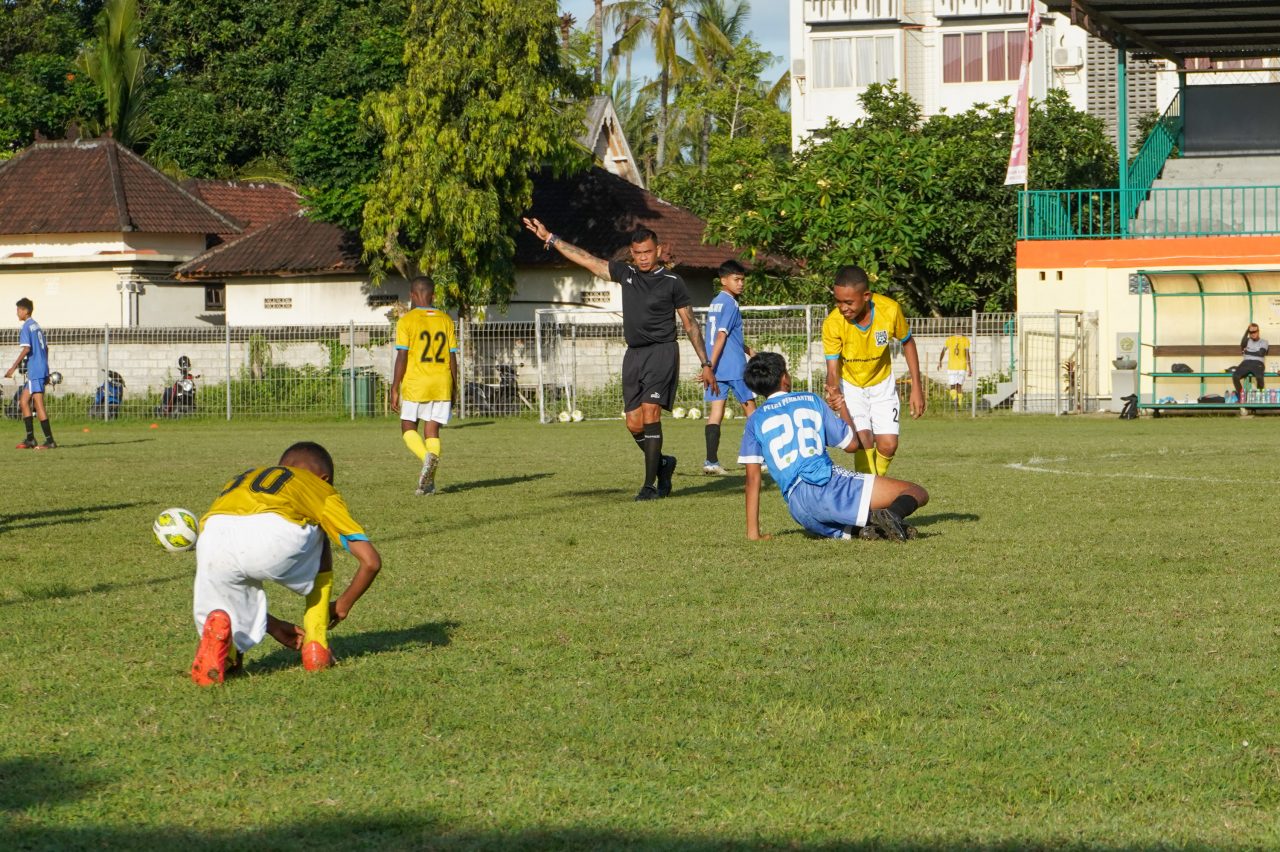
[
  {"x": 585, "y": 259},
  {"x": 694, "y": 331}
]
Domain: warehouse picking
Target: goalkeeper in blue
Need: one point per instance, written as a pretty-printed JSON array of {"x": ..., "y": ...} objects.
[{"x": 789, "y": 434}]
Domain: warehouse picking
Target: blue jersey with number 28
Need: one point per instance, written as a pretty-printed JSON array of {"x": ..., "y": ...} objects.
[{"x": 790, "y": 434}]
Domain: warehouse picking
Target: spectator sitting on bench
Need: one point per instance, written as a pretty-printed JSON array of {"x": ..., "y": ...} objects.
[{"x": 1254, "y": 350}]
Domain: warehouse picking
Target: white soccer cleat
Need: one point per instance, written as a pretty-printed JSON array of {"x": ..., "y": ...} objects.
[
  {"x": 427, "y": 479},
  {"x": 713, "y": 469}
]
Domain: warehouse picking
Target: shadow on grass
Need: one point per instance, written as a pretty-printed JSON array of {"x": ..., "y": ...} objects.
[
  {"x": 493, "y": 483},
  {"x": 54, "y": 517},
  {"x": 28, "y": 782},
  {"x": 87, "y": 444},
  {"x": 53, "y": 591},
  {"x": 402, "y": 832},
  {"x": 432, "y": 634}
]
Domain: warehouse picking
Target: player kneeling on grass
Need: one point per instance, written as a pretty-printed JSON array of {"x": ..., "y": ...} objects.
[
  {"x": 269, "y": 523},
  {"x": 789, "y": 433}
]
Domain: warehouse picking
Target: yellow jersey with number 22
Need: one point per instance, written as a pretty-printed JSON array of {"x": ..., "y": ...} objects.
[
  {"x": 427, "y": 336},
  {"x": 865, "y": 349}
]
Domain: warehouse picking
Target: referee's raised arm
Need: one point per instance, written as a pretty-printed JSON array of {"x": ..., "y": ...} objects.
[{"x": 588, "y": 261}]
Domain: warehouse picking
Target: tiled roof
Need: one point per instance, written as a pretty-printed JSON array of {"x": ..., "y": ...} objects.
[
  {"x": 97, "y": 185},
  {"x": 597, "y": 211},
  {"x": 254, "y": 204},
  {"x": 292, "y": 246}
]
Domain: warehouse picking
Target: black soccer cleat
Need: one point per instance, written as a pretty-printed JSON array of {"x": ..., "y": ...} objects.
[
  {"x": 868, "y": 533},
  {"x": 48, "y": 445},
  {"x": 647, "y": 493},
  {"x": 889, "y": 525},
  {"x": 665, "y": 472},
  {"x": 27, "y": 444}
]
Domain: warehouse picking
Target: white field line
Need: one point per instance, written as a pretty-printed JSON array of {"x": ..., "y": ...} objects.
[{"x": 1035, "y": 465}]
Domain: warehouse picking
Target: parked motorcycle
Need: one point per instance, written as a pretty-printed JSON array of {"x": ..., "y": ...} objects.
[
  {"x": 485, "y": 399},
  {"x": 179, "y": 398},
  {"x": 107, "y": 398}
]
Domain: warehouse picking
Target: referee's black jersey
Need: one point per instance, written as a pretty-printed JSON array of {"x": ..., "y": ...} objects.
[{"x": 649, "y": 302}]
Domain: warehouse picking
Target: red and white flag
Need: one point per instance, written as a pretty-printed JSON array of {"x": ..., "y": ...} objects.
[{"x": 1017, "y": 172}]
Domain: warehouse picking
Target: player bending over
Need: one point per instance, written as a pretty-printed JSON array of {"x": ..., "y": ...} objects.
[
  {"x": 789, "y": 433},
  {"x": 269, "y": 523}
]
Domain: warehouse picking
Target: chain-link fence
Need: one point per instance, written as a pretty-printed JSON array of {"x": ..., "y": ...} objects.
[
  {"x": 566, "y": 361},
  {"x": 227, "y": 372}
]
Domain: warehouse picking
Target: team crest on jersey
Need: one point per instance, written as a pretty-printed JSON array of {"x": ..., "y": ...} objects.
[{"x": 882, "y": 338}]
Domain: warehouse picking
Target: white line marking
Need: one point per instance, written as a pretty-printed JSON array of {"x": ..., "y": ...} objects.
[{"x": 1030, "y": 467}]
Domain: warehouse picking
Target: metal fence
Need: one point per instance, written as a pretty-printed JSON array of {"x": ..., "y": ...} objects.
[{"x": 566, "y": 361}]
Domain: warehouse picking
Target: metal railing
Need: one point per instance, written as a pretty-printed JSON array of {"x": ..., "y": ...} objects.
[
  {"x": 1203, "y": 211},
  {"x": 1146, "y": 166}
]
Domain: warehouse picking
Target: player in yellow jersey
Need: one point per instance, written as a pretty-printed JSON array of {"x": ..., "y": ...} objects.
[
  {"x": 956, "y": 350},
  {"x": 855, "y": 341},
  {"x": 425, "y": 381},
  {"x": 270, "y": 523}
]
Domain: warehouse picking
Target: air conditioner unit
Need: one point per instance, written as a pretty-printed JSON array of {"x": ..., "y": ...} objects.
[{"x": 1068, "y": 57}]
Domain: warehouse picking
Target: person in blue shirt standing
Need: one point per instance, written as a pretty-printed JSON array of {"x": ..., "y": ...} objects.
[
  {"x": 789, "y": 433},
  {"x": 729, "y": 353},
  {"x": 36, "y": 352}
]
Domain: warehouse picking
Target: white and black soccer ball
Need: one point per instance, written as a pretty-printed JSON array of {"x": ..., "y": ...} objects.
[
  {"x": 176, "y": 529},
  {"x": 576, "y": 415},
  {"x": 693, "y": 414},
  {"x": 563, "y": 417},
  {"x": 728, "y": 413},
  {"x": 677, "y": 413}
]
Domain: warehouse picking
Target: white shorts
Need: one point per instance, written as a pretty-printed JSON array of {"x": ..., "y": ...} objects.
[
  {"x": 439, "y": 411},
  {"x": 957, "y": 377},
  {"x": 235, "y": 554},
  {"x": 874, "y": 408}
]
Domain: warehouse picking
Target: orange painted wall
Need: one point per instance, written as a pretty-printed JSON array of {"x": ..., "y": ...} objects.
[{"x": 1222, "y": 252}]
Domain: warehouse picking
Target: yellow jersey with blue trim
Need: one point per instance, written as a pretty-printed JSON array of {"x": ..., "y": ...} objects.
[
  {"x": 957, "y": 352},
  {"x": 293, "y": 493},
  {"x": 427, "y": 336},
  {"x": 865, "y": 349}
]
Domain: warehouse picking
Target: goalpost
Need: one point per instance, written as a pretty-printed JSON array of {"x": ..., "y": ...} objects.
[{"x": 579, "y": 356}]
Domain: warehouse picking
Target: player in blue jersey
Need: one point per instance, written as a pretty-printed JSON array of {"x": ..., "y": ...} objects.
[
  {"x": 729, "y": 353},
  {"x": 789, "y": 434},
  {"x": 36, "y": 353}
]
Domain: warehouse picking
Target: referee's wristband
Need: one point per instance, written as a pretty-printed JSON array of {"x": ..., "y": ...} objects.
[
  {"x": 552, "y": 239},
  {"x": 706, "y": 363}
]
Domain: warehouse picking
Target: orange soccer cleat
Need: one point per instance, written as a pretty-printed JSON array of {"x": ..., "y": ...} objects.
[
  {"x": 316, "y": 657},
  {"x": 210, "y": 665}
]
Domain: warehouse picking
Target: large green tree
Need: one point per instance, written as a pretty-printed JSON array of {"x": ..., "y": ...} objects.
[
  {"x": 243, "y": 82},
  {"x": 486, "y": 103},
  {"x": 920, "y": 204},
  {"x": 40, "y": 90}
]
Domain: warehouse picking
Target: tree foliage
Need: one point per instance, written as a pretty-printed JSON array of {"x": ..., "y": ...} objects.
[
  {"x": 117, "y": 64},
  {"x": 240, "y": 82},
  {"x": 40, "y": 90},
  {"x": 920, "y": 204},
  {"x": 482, "y": 108}
]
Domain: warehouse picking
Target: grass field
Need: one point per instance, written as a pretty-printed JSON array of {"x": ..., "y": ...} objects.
[{"x": 1079, "y": 651}]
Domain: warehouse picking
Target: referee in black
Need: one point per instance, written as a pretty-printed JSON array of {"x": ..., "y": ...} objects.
[{"x": 652, "y": 297}]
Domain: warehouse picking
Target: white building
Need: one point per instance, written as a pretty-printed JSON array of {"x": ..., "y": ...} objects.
[{"x": 949, "y": 55}]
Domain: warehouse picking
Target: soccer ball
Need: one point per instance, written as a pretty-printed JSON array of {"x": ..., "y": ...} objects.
[
  {"x": 677, "y": 413},
  {"x": 563, "y": 417},
  {"x": 693, "y": 414},
  {"x": 728, "y": 414},
  {"x": 176, "y": 529},
  {"x": 577, "y": 416}
]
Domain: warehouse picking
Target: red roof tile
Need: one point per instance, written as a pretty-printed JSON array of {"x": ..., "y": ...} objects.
[
  {"x": 597, "y": 211},
  {"x": 292, "y": 246},
  {"x": 254, "y": 204},
  {"x": 97, "y": 185}
]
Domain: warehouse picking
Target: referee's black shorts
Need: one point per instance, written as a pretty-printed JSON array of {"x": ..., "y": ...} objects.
[{"x": 649, "y": 374}]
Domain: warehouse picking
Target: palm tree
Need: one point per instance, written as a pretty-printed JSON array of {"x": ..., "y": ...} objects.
[
  {"x": 597, "y": 22},
  {"x": 715, "y": 34},
  {"x": 662, "y": 23},
  {"x": 117, "y": 65}
]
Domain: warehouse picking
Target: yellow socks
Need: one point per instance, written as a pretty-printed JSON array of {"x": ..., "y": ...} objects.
[
  {"x": 431, "y": 445},
  {"x": 881, "y": 463},
  {"x": 315, "y": 621},
  {"x": 414, "y": 442},
  {"x": 862, "y": 461}
]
